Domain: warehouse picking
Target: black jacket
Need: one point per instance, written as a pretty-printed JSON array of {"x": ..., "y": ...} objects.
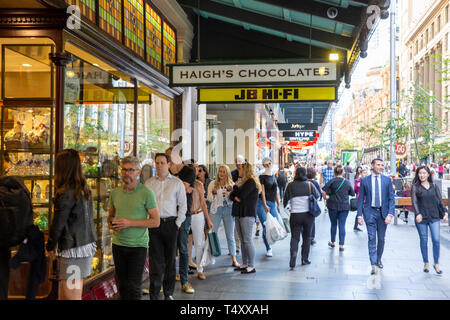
[
  {"x": 72, "y": 226},
  {"x": 339, "y": 200},
  {"x": 248, "y": 194},
  {"x": 427, "y": 202},
  {"x": 32, "y": 250}
]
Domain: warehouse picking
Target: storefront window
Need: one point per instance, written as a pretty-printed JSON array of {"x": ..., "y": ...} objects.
[
  {"x": 98, "y": 122},
  {"x": 27, "y": 122},
  {"x": 27, "y": 70},
  {"x": 153, "y": 127}
]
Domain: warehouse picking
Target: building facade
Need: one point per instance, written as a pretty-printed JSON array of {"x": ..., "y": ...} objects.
[{"x": 424, "y": 45}]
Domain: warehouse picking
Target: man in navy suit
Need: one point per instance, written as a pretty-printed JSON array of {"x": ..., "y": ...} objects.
[{"x": 376, "y": 203}]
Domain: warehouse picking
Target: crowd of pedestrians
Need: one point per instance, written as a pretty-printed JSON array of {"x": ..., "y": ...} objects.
[{"x": 155, "y": 217}]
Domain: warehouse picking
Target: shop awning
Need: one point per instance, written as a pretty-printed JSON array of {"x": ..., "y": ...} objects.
[{"x": 307, "y": 30}]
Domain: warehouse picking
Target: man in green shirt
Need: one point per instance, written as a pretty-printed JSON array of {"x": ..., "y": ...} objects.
[{"x": 132, "y": 211}]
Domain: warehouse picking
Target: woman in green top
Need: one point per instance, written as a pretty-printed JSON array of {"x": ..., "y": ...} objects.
[{"x": 132, "y": 211}]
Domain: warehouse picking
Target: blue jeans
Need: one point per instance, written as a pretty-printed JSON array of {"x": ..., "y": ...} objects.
[
  {"x": 338, "y": 217},
  {"x": 262, "y": 216},
  {"x": 422, "y": 228},
  {"x": 224, "y": 213},
  {"x": 183, "y": 265}
]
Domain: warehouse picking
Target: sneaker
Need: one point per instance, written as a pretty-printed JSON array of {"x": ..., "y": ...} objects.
[
  {"x": 257, "y": 233},
  {"x": 187, "y": 288},
  {"x": 269, "y": 253}
]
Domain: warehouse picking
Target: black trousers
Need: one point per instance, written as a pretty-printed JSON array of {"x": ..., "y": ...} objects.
[
  {"x": 301, "y": 223},
  {"x": 129, "y": 267},
  {"x": 162, "y": 254},
  {"x": 282, "y": 189},
  {"x": 5, "y": 255}
]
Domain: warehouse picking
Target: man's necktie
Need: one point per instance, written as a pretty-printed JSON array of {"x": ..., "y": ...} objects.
[{"x": 377, "y": 193}]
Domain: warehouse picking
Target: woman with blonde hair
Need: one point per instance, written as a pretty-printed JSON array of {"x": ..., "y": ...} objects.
[
  {"x": 247, "y": 196},
  {"x": 219, "y": 195}
]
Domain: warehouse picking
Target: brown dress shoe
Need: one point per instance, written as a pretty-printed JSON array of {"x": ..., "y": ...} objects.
[{"x": 201, "y": 276}]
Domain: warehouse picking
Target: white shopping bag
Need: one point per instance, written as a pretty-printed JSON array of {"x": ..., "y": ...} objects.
[
  {"x": 207, "y": 257},
  {"x": 274, "y": 231}
]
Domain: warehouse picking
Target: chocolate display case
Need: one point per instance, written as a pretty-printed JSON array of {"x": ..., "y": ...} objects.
[
  {"x": 27, "y": 151},
  {"x": 102, "y": 177}
]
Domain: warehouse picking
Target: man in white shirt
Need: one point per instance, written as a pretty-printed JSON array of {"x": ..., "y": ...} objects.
[{"x": 172, "y": 204}]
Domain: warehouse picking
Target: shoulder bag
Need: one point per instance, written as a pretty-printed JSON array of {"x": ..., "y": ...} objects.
[
  {"x": 314, "y": 208},
  {"x": 441, "y": 207}
]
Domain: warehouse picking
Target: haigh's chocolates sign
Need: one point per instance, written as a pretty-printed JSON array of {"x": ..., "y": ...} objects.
[{"x": 267, "y": 73}]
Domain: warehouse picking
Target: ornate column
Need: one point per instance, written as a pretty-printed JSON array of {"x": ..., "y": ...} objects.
[
  {"x": 422, "y": 67},
  {"x": 60, "y": 59},
  {"x": 431, "y": 71},
  {"x": 438, "y": 77}
]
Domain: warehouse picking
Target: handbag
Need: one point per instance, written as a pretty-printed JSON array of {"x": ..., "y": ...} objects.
[
  {"x": 354, "y": 204},
  {"x": 214, "y": 244},
  {"x": 314, "y": 208},
  {"x": 441, "y": 207}
]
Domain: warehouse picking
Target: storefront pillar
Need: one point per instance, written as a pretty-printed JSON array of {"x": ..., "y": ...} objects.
[{"x": 60, "y": 60}]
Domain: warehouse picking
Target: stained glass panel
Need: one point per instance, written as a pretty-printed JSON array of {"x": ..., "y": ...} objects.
[
  {"x": 134, "y": 25},
  {"x": 87, "y": 8},
  {"x": 169, "y": 41},
  {"x": 153, "y": 37},
  {"x": 110, "y": 17}
]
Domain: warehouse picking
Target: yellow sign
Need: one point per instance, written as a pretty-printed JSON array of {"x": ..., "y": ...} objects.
[{"x": 288, "y": 94}]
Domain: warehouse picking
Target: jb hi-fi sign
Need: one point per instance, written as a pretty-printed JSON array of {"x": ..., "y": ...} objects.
[{"x": 192, "y": 75}]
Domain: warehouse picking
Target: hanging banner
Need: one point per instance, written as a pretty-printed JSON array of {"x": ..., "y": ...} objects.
[
  {"x": 254, "y": 95},
  {"x": 192, "y": 75}
]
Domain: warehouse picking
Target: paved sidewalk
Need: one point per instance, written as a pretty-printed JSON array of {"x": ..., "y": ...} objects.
[{"x": 332, "y": 274}]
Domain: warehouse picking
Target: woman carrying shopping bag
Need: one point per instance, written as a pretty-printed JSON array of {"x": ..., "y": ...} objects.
[{"x": 218, "y": 195}]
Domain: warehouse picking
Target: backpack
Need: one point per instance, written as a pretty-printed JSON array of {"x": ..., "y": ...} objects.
[
  {"x": 16, "y": 212},
  {"x": 281, "y": 177}
]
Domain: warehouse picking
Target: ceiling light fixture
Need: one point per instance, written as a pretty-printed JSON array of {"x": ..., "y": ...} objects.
[
  {"x": 333, "y": 56},
  {"x": 26, "y": 65}
]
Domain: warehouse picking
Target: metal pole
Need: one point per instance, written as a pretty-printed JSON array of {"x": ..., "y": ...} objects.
[{"x": 393, "y": 93}]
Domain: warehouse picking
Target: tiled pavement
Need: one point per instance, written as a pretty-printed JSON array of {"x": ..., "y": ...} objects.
[{"x": 332, "y": 275}]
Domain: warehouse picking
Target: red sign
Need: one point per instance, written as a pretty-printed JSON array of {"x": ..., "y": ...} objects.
[{"x": 301, "y": 144}]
